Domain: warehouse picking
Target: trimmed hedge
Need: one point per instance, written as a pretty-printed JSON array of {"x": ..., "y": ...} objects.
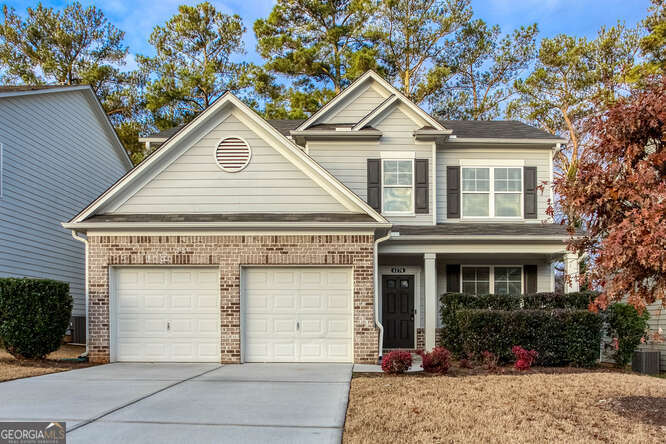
[
  {"x": 34, "y": 315},
  {"x": 451, "y": 303},
  {"x": 561, "y": 337}
]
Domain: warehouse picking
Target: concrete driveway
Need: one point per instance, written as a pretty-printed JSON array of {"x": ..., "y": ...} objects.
[{"x": 187, "y": 402}]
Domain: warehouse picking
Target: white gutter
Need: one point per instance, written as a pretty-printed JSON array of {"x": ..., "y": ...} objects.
[
  {"x": 376, "y": 302},
  {"x": 85, "y": 274}
]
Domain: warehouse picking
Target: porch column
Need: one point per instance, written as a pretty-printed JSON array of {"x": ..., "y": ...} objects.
[
  {"x": 430, "y": 300},
  {"x": 571, "y": 273}
]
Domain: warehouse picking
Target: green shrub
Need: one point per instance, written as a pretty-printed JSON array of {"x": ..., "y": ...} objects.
[
  {"x": 628, "y": 326},
  {"x": 452, "y": 302},
  {"x": 34, "y": 315},
  {"x": 579, "y": 300},
  {"x": 561, "y": 337}
]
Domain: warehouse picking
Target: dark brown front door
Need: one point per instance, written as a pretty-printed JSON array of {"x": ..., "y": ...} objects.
[{"x": 398, "y": 311}]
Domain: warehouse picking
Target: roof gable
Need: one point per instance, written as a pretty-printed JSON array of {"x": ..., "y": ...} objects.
[
  {"x": 33, "y": 90},
  {"x": 193, "y": 132},
  {"x": 358, "y": 91},
  {"x": 195, "y": 183}
]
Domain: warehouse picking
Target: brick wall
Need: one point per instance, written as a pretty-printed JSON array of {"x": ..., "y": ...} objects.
[
  {"x": 420, "y": 338},
  {"x": 230, "y": 252}
]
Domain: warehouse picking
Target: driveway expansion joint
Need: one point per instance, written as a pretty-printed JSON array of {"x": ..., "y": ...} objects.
[{"x": 134, "y": 401}]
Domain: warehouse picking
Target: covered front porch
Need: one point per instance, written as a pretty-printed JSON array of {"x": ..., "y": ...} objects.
[{"x": 414, "y": 273}]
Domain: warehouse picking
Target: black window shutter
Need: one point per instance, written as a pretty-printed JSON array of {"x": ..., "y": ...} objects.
[
  {"x": 453, "y": 278},
  {"x": 530, "y": 183},
  {"x": 530, "y": 279},
  {"x": 453, "y": 192},
  {"x": 421, "y": 201},
  {"x": 374, "y": 184}
]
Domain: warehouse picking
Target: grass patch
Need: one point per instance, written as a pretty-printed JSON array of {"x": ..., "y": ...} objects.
[
  {"x": 571, "y": 405},
  {"x": 12, "y": 368}
]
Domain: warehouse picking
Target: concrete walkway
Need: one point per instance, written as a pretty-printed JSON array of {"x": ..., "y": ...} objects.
[{"x": 187, "y": 402}]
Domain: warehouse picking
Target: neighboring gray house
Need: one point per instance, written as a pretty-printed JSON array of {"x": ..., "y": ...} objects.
[
  {"x": 58, "y": 151},
  {"x": 327, "y": 240}
]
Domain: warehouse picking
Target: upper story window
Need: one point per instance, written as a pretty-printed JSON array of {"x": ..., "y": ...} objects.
[
  {"x": 492, "y": 192},
  {"x": 398, "y": 186}
]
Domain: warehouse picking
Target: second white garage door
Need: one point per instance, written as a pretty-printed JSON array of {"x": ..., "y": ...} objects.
[
  {"x": 166, "y": 314},
  {"x": 298, "y": 314}
]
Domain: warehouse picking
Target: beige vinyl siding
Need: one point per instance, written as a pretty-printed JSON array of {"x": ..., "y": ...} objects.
[
  {"x": 194, "y": 183},
  {"x": 57, "y": 159},
  {"x": 450, "y": 155},
  {"x": 355, "y": 108},
  {"x": 657, "y": 320},
  {"x": 347, "y": 161}
]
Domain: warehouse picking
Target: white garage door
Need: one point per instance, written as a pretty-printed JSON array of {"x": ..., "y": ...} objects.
[
  {"x": 298, "y": 314},
  {"x": 167, "y": 314}
]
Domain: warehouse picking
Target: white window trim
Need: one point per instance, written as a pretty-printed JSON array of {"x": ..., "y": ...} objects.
[
  {"x": 399, "y": 213},
  {"x": 491, "y": 285},
  {"x": 491, "y": 192},
  {"x": 492, "y": 162},
  {"x": 397, "y": 155}
]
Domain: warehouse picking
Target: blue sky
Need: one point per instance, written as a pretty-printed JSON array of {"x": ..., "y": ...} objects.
[{"x": 577, "y": 17}]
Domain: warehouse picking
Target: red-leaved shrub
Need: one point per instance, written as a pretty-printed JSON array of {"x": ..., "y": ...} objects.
[
  {"x": 490, "y": 361},
  {"x": 524, "y": 358},
  {"x": 396, "y": 362},
  {"x": 465, "y": 363},
  {"x": 437, "y": 361}
]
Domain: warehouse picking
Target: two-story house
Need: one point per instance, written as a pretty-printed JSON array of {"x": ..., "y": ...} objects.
[
  {"x": 58, "y": 151},
  {"x": 329, "y": 239}
]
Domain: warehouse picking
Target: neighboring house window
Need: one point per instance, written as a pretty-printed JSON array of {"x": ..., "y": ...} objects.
[
  {"x": 492, "y": 192},
  {"x": 492, "y": 279},
  {"x": 398, "y": 185}
]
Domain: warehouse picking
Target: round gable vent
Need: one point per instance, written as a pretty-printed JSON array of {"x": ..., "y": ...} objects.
[{"x": 233, "y": 154}]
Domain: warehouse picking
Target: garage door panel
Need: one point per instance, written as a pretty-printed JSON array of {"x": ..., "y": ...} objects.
[
  {"x": 339, "y": 280},
  {"x": 316, "y": 299},
  {"x": 285, "y": 277},
  {"x": 338, "y": 301},
  {"x": 167, "y": 314},
  {"x": 284, "y": 300},
  {"x": 284, "y": 351},
  {"x": 312, "y": 301}
]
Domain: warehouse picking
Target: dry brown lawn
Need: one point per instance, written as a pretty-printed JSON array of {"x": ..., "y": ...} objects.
[
  {"x": 573, "y": 406},
  {"x": 11, "y": 368}
]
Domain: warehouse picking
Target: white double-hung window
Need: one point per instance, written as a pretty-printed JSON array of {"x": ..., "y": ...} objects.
[
  {"x": 398, "y": 186},
  {"x": 484, "y": 279},
  {"x": 492, "y": 192}
]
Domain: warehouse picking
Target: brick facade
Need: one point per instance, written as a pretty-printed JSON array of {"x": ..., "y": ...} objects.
[
  {"x": 230, "y": 253},
  {"x": 420, "y": 338}
]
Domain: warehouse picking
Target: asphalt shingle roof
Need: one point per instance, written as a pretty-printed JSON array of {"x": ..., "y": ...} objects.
[
  {"x": 508, "y": 129},
  {"x": 483, "y": 229},
  {"x": 20, "y": 88},
  {"x": 233, "y": 217}
]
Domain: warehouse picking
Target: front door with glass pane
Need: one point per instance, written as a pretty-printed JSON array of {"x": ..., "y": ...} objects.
[{"x": 398, "y": 311}]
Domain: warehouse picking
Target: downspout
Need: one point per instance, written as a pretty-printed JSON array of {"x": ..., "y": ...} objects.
[
  {"x": 85, "y": 242},
  {"x": 376, "y": 302}
]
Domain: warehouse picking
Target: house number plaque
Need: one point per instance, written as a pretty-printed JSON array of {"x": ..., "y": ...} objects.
[{"x": 398, "y": 270}]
